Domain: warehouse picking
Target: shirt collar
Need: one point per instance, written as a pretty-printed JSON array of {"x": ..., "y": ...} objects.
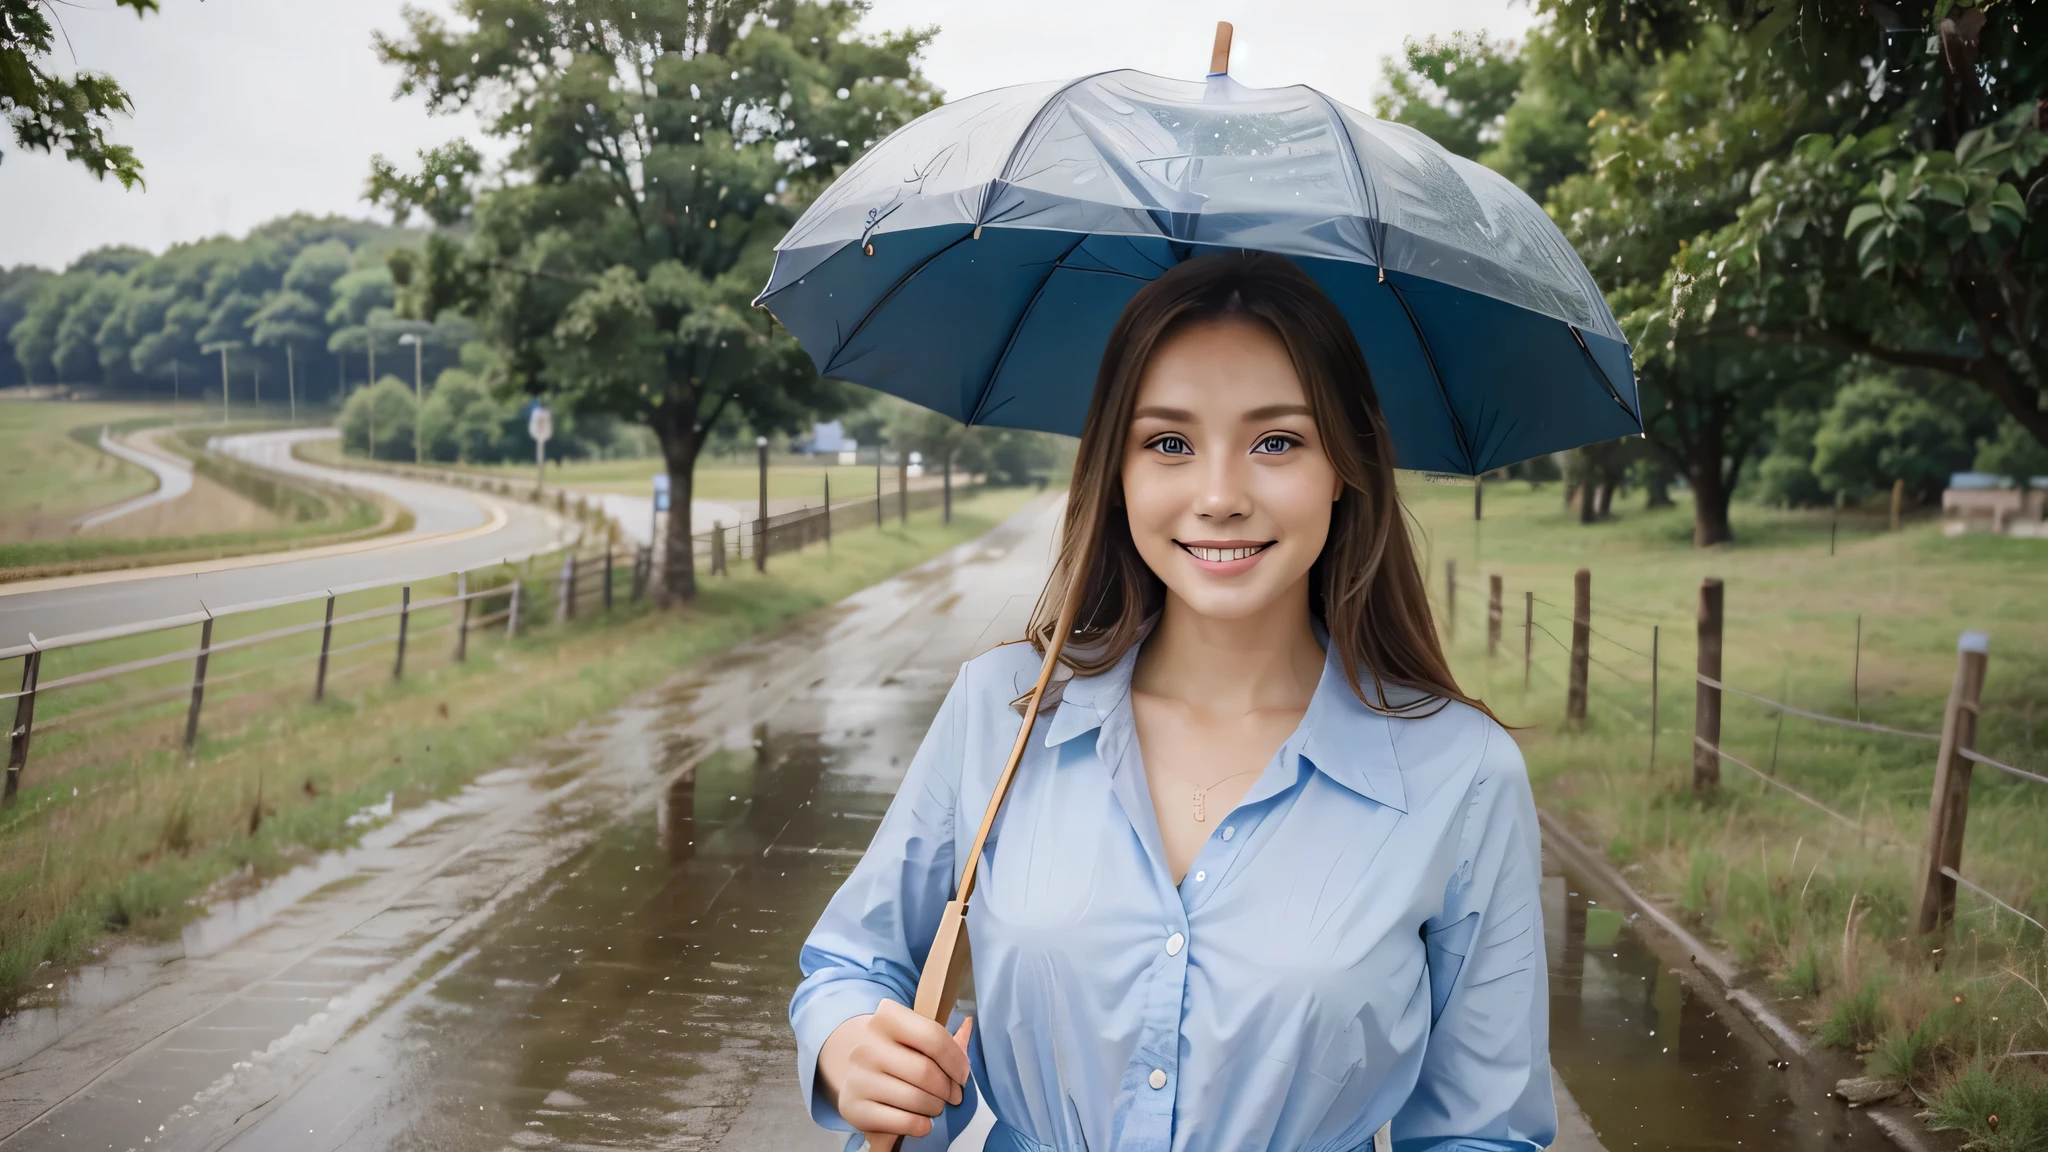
[{"x": 1339, "y": 735}]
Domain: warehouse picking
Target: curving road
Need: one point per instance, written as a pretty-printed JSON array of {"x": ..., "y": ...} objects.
[
  {"x": 173, "y": 477},
  {"x": 453, "y": 530}
]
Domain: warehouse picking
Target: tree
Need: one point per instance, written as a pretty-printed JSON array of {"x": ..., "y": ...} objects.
[
  {"x": 18, "y": 288},
  {"x": 1879, "y": 431},
  {"x": 378, "y": 420},
  {"x": 659, "y": 149},
  {"x": 52, "y": 114},
  {"x": 2012, "y": 453},
  {"x": 1457, "y": 89}
]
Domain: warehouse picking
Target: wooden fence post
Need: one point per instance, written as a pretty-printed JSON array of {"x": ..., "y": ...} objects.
[
  {"x": 404, "y": 623},
  {"x": 462, "y": 625},
  {"x": 1949, "y": 807},
  {"x": 1898, "y": 502},
  {"x": 24, "y": 723},
  {"x": 1582, "y": 640},
  {"x": 512, "y": 609},
  {"x": 607, "y": 579},
  {"x": 566, "y": 609},
  {"x": 1656, "y": 631},
  {"x": 1492, "y": 615},
  {"x": 1528, "y": 635},
  {"x": 1450, "y": 597},
  {"x": 1706, "y": 708},
  {"x": 718, "y": 548},
  {"x": 198, "y": 681},
  {"x": 326, "y": 642},
  {"x": 828, "y": 509}
]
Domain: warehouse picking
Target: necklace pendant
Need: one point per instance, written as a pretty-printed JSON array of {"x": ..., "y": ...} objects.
[{"x": 1201, "y": 807}]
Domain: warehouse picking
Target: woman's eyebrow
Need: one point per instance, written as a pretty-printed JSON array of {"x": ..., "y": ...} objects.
[
  {"x": 1272, "y": 411},
  {"x": 1156, "y": 412}
]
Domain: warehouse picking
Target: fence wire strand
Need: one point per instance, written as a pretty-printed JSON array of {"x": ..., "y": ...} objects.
[
  {"x": 1861, "y": 725},
  {"x": 1976, "y": 757},
  {"x": 1981, "y": 891},
  {"x": 1774, "y": 782}
]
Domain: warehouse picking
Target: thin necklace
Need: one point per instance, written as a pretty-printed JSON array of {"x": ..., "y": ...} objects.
[{"x": 1201, "y": 796}]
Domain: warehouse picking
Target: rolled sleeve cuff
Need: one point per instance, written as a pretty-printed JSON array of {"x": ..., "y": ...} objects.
[{"x": 827, "y": 1007}]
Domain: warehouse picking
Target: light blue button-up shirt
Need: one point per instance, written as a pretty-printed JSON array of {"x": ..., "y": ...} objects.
[{"x": 1359, "y": 941}]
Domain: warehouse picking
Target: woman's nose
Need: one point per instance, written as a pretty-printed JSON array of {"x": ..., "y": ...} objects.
[{"x": 1223, "y": 494}]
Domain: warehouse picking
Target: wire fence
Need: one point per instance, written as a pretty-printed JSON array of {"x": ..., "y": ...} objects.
[{"x": 1948, "y": 783}]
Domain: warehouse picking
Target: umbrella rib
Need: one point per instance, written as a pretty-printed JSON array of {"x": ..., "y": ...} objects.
[
  {"x": 1605, "y": 381},
  {"x": 1368, "y": 192},
  {"x": 832, "y": 361},
  {"x": 1022, "y": 317},
  {"x": 1429, "y": 357}
]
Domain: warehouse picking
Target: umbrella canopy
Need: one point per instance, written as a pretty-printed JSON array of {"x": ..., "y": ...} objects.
[{"x": 975, "y": 261}]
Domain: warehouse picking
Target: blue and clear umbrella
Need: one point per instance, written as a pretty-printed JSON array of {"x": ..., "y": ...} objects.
[{"x": 975, "y": 261}]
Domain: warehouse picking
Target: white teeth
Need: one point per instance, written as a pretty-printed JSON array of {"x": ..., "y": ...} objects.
[{"x": 1221, "y": 555}]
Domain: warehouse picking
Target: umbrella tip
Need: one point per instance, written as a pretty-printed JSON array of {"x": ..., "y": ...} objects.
[{"x": 1219, "y": 56}]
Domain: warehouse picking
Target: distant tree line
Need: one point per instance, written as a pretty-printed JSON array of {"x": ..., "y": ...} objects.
[{"x": 309, "y": 299}]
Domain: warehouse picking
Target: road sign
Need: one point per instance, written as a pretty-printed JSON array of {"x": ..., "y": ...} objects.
[
  {"x": 540, "y": 424},
  {"x": 661, "y": 492}
]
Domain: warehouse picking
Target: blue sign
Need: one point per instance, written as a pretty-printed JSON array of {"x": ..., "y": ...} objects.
[{"x": 661, "y": 492}]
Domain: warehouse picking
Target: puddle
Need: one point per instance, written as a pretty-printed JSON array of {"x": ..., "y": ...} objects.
[
  {"x": 83, "y": 995},
  {"x": 1655, "y": 1064}
]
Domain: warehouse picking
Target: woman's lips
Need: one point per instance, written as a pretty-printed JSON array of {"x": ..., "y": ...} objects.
[{"x": 1225, "y": 557}]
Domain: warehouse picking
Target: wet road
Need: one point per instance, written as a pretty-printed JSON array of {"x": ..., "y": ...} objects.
[
  {"x": 453, "y": 529},
  {"x": 595, "y": 949}
]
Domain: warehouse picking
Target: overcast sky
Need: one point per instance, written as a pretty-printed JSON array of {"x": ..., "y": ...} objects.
[{"x": 249, "y": 109}]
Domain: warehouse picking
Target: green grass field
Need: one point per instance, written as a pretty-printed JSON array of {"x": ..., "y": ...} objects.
[
  {"x": 115, "y": 830},
  {"x": 1771, "y": 876},
  {"x": 48, "y": 476}
]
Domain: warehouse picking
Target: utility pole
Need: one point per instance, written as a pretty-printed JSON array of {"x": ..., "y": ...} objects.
[
  {"x": 291, "y": 383},
  {"x": 419, "y": 398},
  {"x": 761, "y": 524},
  {"x": 223, "y": 347}
]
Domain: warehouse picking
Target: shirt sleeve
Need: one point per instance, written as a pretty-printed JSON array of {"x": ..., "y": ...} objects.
[
  {"x": 871, "y": 942},
  {"x": 1485, "y": 1079}
]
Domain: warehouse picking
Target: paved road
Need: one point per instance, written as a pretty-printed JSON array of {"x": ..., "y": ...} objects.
[
  {"x": 453, "y": 529},
  {"x": 173, "y": 477}
]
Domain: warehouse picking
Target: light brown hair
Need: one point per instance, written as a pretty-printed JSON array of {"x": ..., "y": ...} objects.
[{"x": 1365, "y": 587}]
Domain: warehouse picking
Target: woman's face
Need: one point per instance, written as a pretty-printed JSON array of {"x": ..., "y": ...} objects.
[{"x": 1225, "y": 478}]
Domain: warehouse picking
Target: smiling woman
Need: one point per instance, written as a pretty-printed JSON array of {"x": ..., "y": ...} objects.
[{"x": 1264, "y": 877}]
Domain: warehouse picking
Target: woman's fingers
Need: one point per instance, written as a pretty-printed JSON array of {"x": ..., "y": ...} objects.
[
  {"x": 926, "y": 1036},
  {"x": 966, "y": 1030},
  {"x": 882, "y": 1120},
  {"x": 906, "y": 1078}
]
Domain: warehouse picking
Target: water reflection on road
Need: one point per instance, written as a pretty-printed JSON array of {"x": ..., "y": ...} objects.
[{"x": 1656, "y": 1064}]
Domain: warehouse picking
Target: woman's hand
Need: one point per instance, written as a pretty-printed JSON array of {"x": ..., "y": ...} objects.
[{"x": 889, "y": 1072}]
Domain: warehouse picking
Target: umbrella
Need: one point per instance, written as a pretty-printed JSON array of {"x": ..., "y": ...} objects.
[{"x": 975, "y": 260}]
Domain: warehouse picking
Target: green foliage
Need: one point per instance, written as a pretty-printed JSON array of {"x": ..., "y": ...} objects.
[
  {"x": 50, "y": 113},
  {"x": 1456, "y": 89},
  {"x": 463, "y": 421},
  {"x": 2012, "y": 453},
  {"x": 1905, "y": 1053},
  {"x": 379, "y": 421},
  {"x": 659, "y": 149},
  {"x": 1998, "y": 1106},
  {"x": 442, "y": 190},
  {"x": 1855, "y": 1020},
  {"x": 1879, "y": 431},
  {"x": 1785, "y": 474}
]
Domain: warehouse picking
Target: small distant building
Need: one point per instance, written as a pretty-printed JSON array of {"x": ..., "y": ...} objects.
[
  {"x": 829, "y": 439},
  {"x": 1981, "y": 501}
]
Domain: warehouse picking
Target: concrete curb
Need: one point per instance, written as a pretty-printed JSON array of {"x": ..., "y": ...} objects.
[{"x": 1895, "y": 1122}]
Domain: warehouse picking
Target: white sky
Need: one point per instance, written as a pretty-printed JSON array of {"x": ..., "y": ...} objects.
[{"x": 249, "y": 109}]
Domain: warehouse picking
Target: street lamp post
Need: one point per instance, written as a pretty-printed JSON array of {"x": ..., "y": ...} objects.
[
  {"x": 223, "y": 347},
  {"x": 419, "y": 399}
]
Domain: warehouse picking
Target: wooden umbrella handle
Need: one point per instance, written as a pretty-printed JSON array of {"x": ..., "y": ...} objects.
[
  {"x": 938, "y": 986},
  {"x": 1219, "y": 56}
]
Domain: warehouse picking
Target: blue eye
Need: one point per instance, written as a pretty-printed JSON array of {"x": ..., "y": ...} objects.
[
  {"x": 1173, "y": 446},
  {"x": 1275, "y": 445}
]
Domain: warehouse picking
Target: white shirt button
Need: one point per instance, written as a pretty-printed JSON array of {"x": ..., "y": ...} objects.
[
  {"x": 1173, "y": 944},
  {"x": 1157, "y": 1079},
  {"x": 1230, "y": 831},
  {"x": 1201, "y": 876}
]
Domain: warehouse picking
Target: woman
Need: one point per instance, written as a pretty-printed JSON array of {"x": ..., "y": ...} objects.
[{"x": 1268, "y": 880}]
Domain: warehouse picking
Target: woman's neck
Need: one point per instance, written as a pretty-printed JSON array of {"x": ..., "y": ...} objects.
[{"x": 1267, "y": 660}]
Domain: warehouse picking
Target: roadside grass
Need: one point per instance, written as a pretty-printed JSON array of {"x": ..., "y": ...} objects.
[
  {"x": 310, "y": 518},
  {"x": 116, "y": 829},
  {"x": 1817, "y": 909},
  {"x": 49, "y": 476}
]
